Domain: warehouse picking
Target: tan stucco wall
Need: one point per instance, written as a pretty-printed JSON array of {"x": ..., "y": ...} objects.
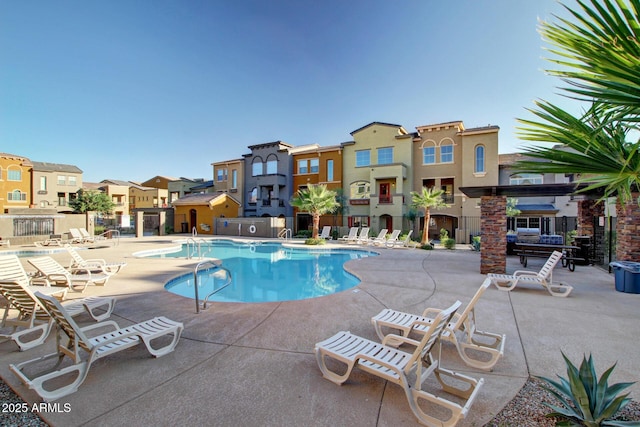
[
  {"x": 223, "y": 207},
  {"x": 6, "y": 186}
]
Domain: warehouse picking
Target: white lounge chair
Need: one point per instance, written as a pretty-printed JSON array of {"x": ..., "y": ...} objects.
[
  {"x": 87, "y": 238},
  {"x": 544, "y": 277},
  {"x": 12, "y": 271},
  {"x": 406, "y": 243},
  {"x": 380, "y": 238},
  {"x": 352, "y": 236},
  {"x": 326, "y": 232},
  {"x": 92, "y": 264},
  {"x": 83, "y": 351},
  {"x": 461, "y": 331},
  {"x": 386, "y": 240},
  {"x": 31, "y": 319},
  {"x": 55, "y": 273},
  {"x": 76, "y": 236},
  {"x": 363, "y": 237},
  {"x": 409, "y": 370}
]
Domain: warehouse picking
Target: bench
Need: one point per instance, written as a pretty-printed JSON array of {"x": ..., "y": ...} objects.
[{"x": 537, "y": 250}]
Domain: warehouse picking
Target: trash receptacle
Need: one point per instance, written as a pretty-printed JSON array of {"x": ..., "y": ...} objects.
[
  {"x": 627, "y": 276},
  {"x": 184, "y": 227}
]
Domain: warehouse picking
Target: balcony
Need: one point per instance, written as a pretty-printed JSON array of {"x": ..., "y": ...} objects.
[{"x": 271, "y": 180}]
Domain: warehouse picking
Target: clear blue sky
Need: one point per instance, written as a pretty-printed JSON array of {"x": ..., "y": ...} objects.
[{"x": 131, "y": 89}]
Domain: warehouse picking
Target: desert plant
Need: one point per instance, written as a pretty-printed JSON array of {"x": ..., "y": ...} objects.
[
  {"x": 315, "y": 241},
  {"x": 449, "y": 243},
  {"x": 585, "y": 401},
  {"x": 444, "y": 234}
]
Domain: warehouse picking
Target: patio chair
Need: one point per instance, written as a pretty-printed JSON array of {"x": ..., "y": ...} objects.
[
  {"x": 93, "y": 264},
  {"x": 326, "y": 232},
  {"x": 385, "y": 241},
  {"x": 76, "y": 236},
  {"x": 86, "y": 236},
  {"x": 12, "y": 271},
  {"x": 55, "y": 273},
  {"x": 406, "y": 243},
  {"x": 83, "y": 351},
  {"x": 352, "y": 236},
  {"x": 30, "y": 319},
  {"x": 477, "y": 349},
  {"x": 544, "y": 277},
  {"x": 363, "y": 237},
  {"x": 409, "y": 370},
  {"x": 380, "y": 238}
]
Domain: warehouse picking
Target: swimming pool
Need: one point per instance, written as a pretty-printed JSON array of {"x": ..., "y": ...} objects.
[{"x": 268, "y": 272}]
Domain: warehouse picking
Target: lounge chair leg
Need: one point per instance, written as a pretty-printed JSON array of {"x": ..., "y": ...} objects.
[
  {"x": 44, "y": 329},
  {"x": 329, "y": 374}
]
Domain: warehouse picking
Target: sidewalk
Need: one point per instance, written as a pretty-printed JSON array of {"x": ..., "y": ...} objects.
[{"x": 253, "y": 364}]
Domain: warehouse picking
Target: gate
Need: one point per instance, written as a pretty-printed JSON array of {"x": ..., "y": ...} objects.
[{"x": 151, "y": 224}]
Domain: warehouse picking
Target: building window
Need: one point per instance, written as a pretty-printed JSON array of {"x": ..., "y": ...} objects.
[
  {"x": 428, "y": 155},
  {"x": 358, "y": 221},
  {"x": 256, "y": 168},
  {"x": 524, "y": 222},
  {"x": 525, "y": 179},
  {"x": 385, "y": 156},
  {"x": 234, "y": 178},
  {"x": 272, "y": 165},
  {"x": 17, "y": 196},
  {"x": 62, "y": 180},
  {"x": 363, "y": 158},
  {"x": 43, "y": 183},
  {"x": 221, "y": 175},
  {"x": 446, "y": 185},
  {"x": 446, "y": 153},
  {"x": 329, "y": 170},
  {"x": 0, "y": 174},
  {"x": 303, "y": 166},
  {"x": 479, "y": 161},
  {"x": 360, "y": 190},
  {"x": 72, "y": 180},
  {"x": 253, "y": 196},
  {"x": 14, "y": 175},
  {"x": 315, "y": 165}
]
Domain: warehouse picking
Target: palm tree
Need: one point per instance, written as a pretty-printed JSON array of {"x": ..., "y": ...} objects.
[
  {"x": 598, "y": 57},
  {"x": 427, "y": 199},
  {"x": 316, "y": 200}
]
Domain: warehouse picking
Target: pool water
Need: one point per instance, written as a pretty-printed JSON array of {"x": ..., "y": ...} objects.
[{"x": 268, "y": 272}]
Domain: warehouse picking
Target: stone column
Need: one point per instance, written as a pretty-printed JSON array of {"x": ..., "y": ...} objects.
[
  {"x": 162, "y": 223},
  {"x": 588, "y": 211},
  {"x": 628, "y": 230},
  {"x": 493, "y": 225},
  {"x": 139, "y": 223}
]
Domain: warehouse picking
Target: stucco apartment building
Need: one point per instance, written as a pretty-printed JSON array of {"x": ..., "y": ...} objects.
[
  {"x": 313, "y": 164},
  {"x": 55, "y": 185},
  {"x": 228, "y": 177},
  {"x": 15, "y": 182}
]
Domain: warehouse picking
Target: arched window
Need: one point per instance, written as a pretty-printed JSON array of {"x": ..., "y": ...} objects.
[
  {"x": 479, "y": 160},
  {"x": 428, "y": 153},
  {"x": 256, "y": 167},
  {"x": 360, "y": 190},
  {"x": 272, "y": 164},
  {"x": 446, "y": 151},
  {"x": 17, "y": 196}
]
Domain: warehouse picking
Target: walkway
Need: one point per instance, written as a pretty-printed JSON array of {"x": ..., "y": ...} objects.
[{"x": 253, "y": 364}]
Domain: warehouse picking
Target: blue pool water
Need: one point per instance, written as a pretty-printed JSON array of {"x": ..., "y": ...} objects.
[{"x": 268, "y": 272}]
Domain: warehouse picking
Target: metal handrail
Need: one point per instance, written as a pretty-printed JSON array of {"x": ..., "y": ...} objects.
[
  {"x": 196, "y": 282},
  {"x": 111, "y": 234},
  {"x": 284, "y": 233},
  {"x": 197, "y": 243}
]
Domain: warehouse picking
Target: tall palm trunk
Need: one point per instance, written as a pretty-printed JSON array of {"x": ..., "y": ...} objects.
[
  {"x": 425, "y": 232},
  {"x": 316, "y": 225}
]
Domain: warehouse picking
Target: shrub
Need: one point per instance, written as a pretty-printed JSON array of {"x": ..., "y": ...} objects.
[
  {"x": 444, "y": 234},
  {"x": 449, "y": 243},
  {"x": 585, "y": 402},
  {"x": 304, "y": 234},
  {"x": 312, "y": 241},
  {"x": 426, "y": 246},
  {"x": 475, "y": 243}
]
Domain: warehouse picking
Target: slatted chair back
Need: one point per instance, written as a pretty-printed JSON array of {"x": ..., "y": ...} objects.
[
  {"x": 67, "y": 325},
  {"x": 11, "y": 270},
  {"x": 431, "y": 335},
  {"x": 23, "y": 300},
  {"x": 547, "y": 269}
]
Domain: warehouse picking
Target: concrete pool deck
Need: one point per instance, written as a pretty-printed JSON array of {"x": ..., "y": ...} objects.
[{"x": 253, "y": 364}]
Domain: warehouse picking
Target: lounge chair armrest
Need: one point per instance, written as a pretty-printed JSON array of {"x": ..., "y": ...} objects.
[
  {"x": 56, "y": 277},
  {"x": 525, "y": 273},
  {"x": 431, "y": 313},
  {"x": 83, "y": 270},
  {"x": 395, "y": 338},
  {"x": 103, "y": 324},
  {"x": 42, "y": 281}
]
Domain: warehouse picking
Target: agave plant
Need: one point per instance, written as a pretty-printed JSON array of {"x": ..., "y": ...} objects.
[{"x": 586, "y": 402}]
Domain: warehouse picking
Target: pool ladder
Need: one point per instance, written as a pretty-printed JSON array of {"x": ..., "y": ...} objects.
[
  {"x": 285, "y": 234},
  {"x": 196, "y": 282},
  {"x": 196, "y": 244}
]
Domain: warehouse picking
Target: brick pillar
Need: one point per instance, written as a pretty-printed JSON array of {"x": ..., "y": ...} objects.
[
  {"x": 628, "y": 230},
  {"x": 493, "y": 224},
  {"x": 588, "y": 211}
]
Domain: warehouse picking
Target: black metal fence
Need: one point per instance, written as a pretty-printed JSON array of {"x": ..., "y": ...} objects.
[{"x": 27, "y": 226}]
